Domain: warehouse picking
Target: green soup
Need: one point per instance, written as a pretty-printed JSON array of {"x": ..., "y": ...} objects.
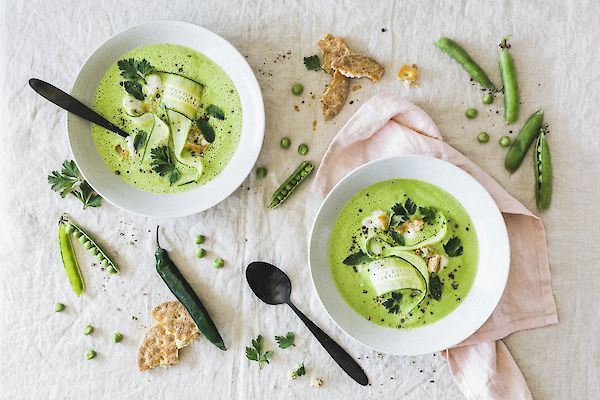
[
  {"x": 217, "y": 90},
  {"x": 364, "y": 217}
]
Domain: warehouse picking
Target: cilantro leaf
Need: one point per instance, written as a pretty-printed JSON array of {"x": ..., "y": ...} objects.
[
  {"x": 87, "y": 196},
  {"x": 163, "y": 165},
  {"x": 357, "y": 258},
  {"x": 285, "y": 341},
  {"x": 140, "y": 140},
  {"x": 399, "y": 210},
  {"x": 392, "y": 304},
  {"x": 215, "y": 111},
  {"x": 255, "y": 353},
  {"x": 312, "y": 63},
  {"x": 397, "y": 236},
  {"x": 299, "y": 371},
  {"x": 428, "y": 214},
  {"x": 134, "y": 89},
  {"x": 144, "y": 68},
  {"x": 453, "y": 247},
  {"x": 410, "y": 206},
  {"x": 68, "y": 181},
  {"x": 435, "y": 287},
  {"x": 134, "y": 70},
  {"x": 207, "y": 130}
]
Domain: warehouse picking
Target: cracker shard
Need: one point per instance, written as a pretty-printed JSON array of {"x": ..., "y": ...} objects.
[
  {"x": 335, "y": 96},
  {"x": 157, "y": 348},
  {"x": 176, "y": 321},
  {"x": 332, "y": 48},
  {"x": 358, "y": 66}
]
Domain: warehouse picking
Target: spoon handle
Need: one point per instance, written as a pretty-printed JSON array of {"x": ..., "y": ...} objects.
[
  {"x": 71, "y": 104},
  {"x": 340, "y": 356}
]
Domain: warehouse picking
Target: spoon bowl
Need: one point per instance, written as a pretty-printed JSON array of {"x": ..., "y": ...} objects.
[{"x": 269, "y": 283}]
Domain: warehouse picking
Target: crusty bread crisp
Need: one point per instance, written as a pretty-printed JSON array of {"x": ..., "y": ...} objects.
[
  {"x": 358, "y": 66},
  {"x": 176, "y": 320},
  {"x": 157, "y": 348},
  {"x": 335, "y": 96}
]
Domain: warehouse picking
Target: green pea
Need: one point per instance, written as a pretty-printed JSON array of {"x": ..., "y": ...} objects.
[
  {"x": 104, "y": 263},
  {"x": 87, "y": 245},
  {"x": 279, "y": 196},
  {"x": 59, "y": 307},
  {"x": 88, "y": 329},
  {"x": 117, "y": 337},
  {"x": 90, "y": 354},
  {"x": 93, "y": 251},
  {"x": 111, "y": 270},
  {"x": 82, "y": 239},
  {"x": 504, "y": 141},
  {"x": 303, "y": 149},
  {"x": 471, "y": 113},
  {"x": 69, "y": 228},
  {"x": 285, "y": 143},
  {"x": 261, "y": 172},
  {"x": 77, "y": 234},
  {"x": 218, "y": 263},
  {"x": 100, "y": 257},
  {"x": 483, "y": 137},
  {"x": 200, "y": 253},
  {"x": 297, "y": 89},
  {"x": 200, "y": 239},
  {"x": 288, "y": 187},
  {"x": 487, "y": 98}
]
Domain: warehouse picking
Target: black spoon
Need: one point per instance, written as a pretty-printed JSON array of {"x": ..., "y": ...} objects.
[
  {"x": 272, "y": 285},
  {"x": 71, "y": 104}
]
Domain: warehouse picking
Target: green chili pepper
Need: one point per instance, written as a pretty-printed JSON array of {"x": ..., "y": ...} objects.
[
  {"x": 543, "y": 172},
  {"x": 68, "y": 258},
  {"x": 454, "y": 50},
  {"x": 182, "y": 290},
  {"x": 89, "y": 244},
  {"x": 508, "y": 72},
  {"x": 523, "y": 141},
  {"x": 291, "y": 183}
]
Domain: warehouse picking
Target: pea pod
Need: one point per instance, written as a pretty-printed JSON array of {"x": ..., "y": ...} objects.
[
  {"x": 523, "y": 141},
  {"x": 182, "y": 290},
  {"x": 291, "y": 183},
  {"x": 543, "y": 172},
  {"x": 89, "y": 244},
  {"x": 459, "y": 54},
  {"x": 510, "y": 85},
  {"x": 69, "y": 261}
]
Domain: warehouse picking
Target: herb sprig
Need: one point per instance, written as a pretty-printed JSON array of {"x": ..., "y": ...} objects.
[
  {"x": 312, "y": 63},
  {"x": 68, "y": 181},
  {"x": 255, "y": 353},
  {"x": 163, "y": 165},
  {"x": 392, "y": 304},
  {"x": 299, "y": 371},
  {"x": 435, "y": 287},
  {"x": 453, "y": 247},
  {"x": 285, "y": 341},
  {"x": 357, "y": 258},
  {"x": 134, "y": 71}
]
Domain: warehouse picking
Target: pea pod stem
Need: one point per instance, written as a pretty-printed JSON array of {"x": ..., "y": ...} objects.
[
  {"x": 463, "y": 58},
  {"x": 508, "y": 73},
  {"x": 523, "y": 141},
  {"x": 291, "y": 183},
  {"x": 543, "y": 172},
  {"x": 69, "y": 260}
]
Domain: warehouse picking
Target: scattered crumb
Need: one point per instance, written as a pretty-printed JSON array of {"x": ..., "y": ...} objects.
[
  {"x": 317, "y": 383},
  {"x": 296, "y": 108},
  {"x": 356, "y": 88},
  {"x": 314, "y": 125}
]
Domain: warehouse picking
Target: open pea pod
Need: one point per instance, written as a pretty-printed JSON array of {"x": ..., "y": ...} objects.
[
  {"x": 89, "y": 244},
  {"x": 543, "y": 172}
]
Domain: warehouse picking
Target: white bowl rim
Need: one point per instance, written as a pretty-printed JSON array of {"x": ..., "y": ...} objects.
[
  {"x": 252, "y": 153},
  {"x": 449, "y": 339}
]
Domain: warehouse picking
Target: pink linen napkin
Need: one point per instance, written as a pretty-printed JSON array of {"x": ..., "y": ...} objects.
[{"x": 481, "y": 365}]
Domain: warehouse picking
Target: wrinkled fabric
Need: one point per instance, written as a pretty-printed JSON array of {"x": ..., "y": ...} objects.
[{"x": 388, "y": 126}]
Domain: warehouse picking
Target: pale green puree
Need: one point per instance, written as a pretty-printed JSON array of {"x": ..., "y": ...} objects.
[
  {"x": 218, "y": 90},
  {"x": 354, "y": 281}
]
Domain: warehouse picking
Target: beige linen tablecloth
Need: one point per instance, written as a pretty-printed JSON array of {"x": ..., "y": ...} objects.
[{"x": 554, "y": 45}]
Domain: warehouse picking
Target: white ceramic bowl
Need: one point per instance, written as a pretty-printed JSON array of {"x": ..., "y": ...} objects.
[
  {"x": 123, "y": 195},
  {"x": 492, "y": 270}
]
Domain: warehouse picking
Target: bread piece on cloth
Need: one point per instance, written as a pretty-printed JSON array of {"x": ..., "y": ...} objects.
[
  {"x": 335, "y": 96},
  {"x": 157, "y": 348},
  {"x": 176, "y": 320},
  {"x": 332, "y": 48},
  {"x": 358, "y": 66}
]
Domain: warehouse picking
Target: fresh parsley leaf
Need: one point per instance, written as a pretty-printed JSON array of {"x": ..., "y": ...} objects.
[
  {"x": 410, "y": 206},
  {"x": 140, "y": 140},
  {"x": 215, "y": 111},
  {"x": 428, "y": 214},
  {"x": 312, "y": 63},
  {"x": 298, "y": 371},
  {"x": 435, "y": 287},
  {"x": 357, "y": 258},
  {"x": 144, "y": 68},
  {"x": 285, "y": 341},
  {"x": 134, "y": 88},
  {"x": 207, "y": 130},
  {"x": 68, "y": 181},
  {"x": 399, "y": 210},
  {"x": 163, "y": 165},
  {"x": 453, "y": 247},
  {"x": 392, "y": 304},
  {"x": 134, "y": 70},
  {"x": 64, "y": 180},
  {"x": 255, "y": 353},
  {"x": 397, "y": 236}
]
